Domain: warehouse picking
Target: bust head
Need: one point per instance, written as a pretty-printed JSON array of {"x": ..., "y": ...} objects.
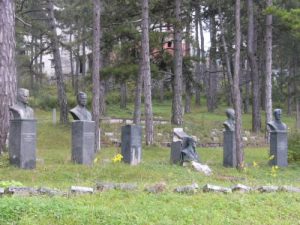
[
  {"x": 276, "y": 124},
  {"x": 23, "y": 95},
  {"x": 277, "y": 115},
  {"x": 230, "y": 114},
  {"x": 82, "y": 99}
]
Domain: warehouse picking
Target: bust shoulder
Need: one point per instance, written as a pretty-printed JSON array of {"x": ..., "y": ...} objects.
[
  {"x": 277, "y": 126},
  {"x": 229, "y": 125}
]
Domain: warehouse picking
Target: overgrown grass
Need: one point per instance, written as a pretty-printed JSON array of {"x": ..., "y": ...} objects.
[
  {"x": 55, "y": 169},
  {"x": 126, "y": 208}
]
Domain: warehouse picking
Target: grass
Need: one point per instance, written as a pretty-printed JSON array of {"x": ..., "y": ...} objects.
[{"x": 55, "y": 169}]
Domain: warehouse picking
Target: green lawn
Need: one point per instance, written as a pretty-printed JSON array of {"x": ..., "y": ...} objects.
[{"x": 55, "y": 170}]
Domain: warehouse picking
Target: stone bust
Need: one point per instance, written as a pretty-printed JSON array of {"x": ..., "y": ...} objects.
[
  {"x": 188, "y": 153},
  {"x": 229, "y": 124},
  {"x": 21, "y": 110},
  {"x": 276, "y": 124},
  {"x": 80, "y": 112}
]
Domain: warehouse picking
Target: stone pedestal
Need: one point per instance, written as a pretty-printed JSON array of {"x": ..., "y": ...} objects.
[
  {"x": 175, "y": 156},
  {"x": 229, "y": 149},
  {"x": 83, "y": 142},
  {"x": 131, "y": 144},
  {"x": 279, "y": 148},
  {"x": 22, "y": 143}
]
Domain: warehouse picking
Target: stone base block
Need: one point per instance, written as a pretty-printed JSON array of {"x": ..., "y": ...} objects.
[
  {"x": 83, "y": 142},
  {"x": 279, "y": 148},
  {"x": 22, "y": 143},
  {"x": 175, "y": 156},
  {"x": 131, "y": 144},
  {"x": 229, "y": 149}
]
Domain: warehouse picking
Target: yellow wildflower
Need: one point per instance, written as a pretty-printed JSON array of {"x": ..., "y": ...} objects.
[{"x": 117, "y": 158}]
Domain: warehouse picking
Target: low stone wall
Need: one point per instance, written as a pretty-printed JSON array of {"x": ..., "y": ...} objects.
[{"x": 155, "y": 188}]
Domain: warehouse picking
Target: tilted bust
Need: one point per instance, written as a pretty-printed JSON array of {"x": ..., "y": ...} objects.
[
  {"x": 188, "y": 153},
  {"x": 80, "y": 112},
  {"x": 229, "y": 124},
  {"x": 276, "y": 124},
  {"x": 21, "y": 110}
]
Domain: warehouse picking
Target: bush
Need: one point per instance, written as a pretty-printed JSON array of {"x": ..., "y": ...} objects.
[
  {"x": 294, "y": 147},
  {"x": 45, "y": 102}
]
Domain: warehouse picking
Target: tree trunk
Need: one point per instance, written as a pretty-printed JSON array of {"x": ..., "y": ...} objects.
[
  {"x": 268, "y": 81},
  {"x": 96, "y": 69},
  {"x": 31, "y": 59},
  {"x": 177, "y": 90},
  {"x": 202, "y": 51},
  {"x": 290, "y": 91},
  {"x": 71, "y": 62},
  {"x": 247, "y": 94},
  {"x": 188, "y": 80},
  {"x": 227, "y": 57},
  {"x": 41, "y": 61},
  {"x": 298, "y": 114},
  {"x": 102, "y": 97},
  {"x": 8, "y": 80},
  {"x": 198, "y": 53},
  {"x": 83, "y": 53},
  {"x": 138, "y": 96},
  {"x": 123, "y": 94},
  {"x": 212, "y": 78},
  {"x": 61, "y": 95},
  {"x": 236, "y": 89},
  {"x": 252, "y": 51},
  {"x": 77, "y": 68},
  {"x": 161, "y": 90},
  {"x": 146, "y": 73}
]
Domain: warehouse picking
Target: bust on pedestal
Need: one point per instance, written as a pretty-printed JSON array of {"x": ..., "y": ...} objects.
[
  {"x": 229, "y": 146},
  {"x": 278, "y": 140},
  {"x": 22, "y": 133},
  {"x": 83, "y": 132}
]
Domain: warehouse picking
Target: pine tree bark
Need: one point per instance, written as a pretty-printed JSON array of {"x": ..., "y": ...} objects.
[
  {"x": 123, "y": 95},
  {"x": 146, "y": 73},
  {"x": 298, "y": 114},
  {"x": 61, "y": 94},
  {"x": 102, "y": 97},
  {"x": 83, "y": 53},
  {"x": 177, "y": 86},
  {"x": 138, "y": 96},
  {"x": 252, "y": 56},
  {"x": 71, "y": 62},
  {"x": 96, "y": 70},
  {"x": 236, "y": 88},
  {"x": 268, "y": 80},
  {"x": 212, "y": 78},
  {"x": 188, "y": 81},
  {"x": 198, "y": 54},
  {"x": 41, "y": 61},
  {"x": 227, "y": 57},
  {"x": 8, "y": 80}
]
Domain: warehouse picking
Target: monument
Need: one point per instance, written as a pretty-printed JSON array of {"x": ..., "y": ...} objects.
[
  {"x": 183, "y": 148},
  {"x": 22, "y": 133},
  {"x": 83, "y": 132},
  {"x": 229, "y": 146},
  {"x": 278, "y": 140},
  {"x": 131, "y": 144}
]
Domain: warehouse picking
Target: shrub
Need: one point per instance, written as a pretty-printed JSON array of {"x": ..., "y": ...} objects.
[{"x": 294, "y": 147}]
